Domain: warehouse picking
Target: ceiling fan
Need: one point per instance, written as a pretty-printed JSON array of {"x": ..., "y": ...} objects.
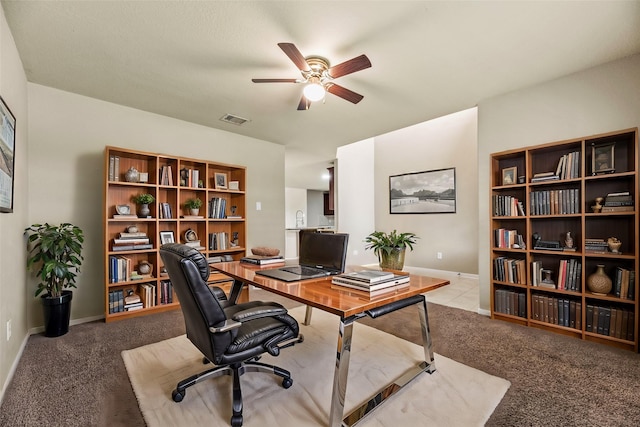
[{"x": 318, "y": 76}]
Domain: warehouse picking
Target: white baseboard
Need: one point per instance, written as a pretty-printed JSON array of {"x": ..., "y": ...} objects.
[
  {"x": 13, "y": 368},
  {"x": 484, "y": 312},
  {"x": 40, "y": 329}
]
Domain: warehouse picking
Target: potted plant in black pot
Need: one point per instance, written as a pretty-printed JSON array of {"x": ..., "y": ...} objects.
[
  {"x": 390, "y": 247},
  {"x": 55, "y": 251}
]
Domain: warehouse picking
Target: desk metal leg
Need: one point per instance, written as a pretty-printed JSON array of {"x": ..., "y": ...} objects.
[
  {"x": 342, "y": 371},
  {"x": 377, "y": 399},
  {"x": 236, "y": 289},
  {"x": 307, "y": 316},
  {"x": 426, "y": 337}
]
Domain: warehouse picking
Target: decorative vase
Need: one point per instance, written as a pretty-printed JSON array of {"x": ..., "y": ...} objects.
[
  {"x": 597, "y": 208},
  {"x": 132, "y": 175},
  {"x": 598, "y": 282},
  {"x": 614, "y": 245},
  {"x": 143, "y": 210},
  {"x": 393, "y": 260}
]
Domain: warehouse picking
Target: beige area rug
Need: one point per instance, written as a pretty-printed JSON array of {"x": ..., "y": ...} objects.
[{"x": 455, "y": 395}]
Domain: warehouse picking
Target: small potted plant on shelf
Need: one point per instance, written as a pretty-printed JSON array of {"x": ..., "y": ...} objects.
[
  {"x": 55, "y": 251},
  {"x": 390, "y": 247},
  {"x": 193, "y": 205},
  {"x": 143, "y": 200}
]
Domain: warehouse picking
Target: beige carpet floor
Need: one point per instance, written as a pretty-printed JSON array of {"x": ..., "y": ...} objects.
[{"x": 454, "y": 395}]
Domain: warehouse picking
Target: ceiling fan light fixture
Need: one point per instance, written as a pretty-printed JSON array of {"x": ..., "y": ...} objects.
[{"x": 314, "y": 91}]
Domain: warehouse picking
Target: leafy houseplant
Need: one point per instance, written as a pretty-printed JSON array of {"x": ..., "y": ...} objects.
[
  {"x": 56, "y": 252},
  {"x": 390, "y": 247},
  {"x": 193, "y": 203},
  {"x": 143, "y": 200}
]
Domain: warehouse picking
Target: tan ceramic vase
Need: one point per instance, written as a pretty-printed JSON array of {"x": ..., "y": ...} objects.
[{"x": 599, "y": 282}]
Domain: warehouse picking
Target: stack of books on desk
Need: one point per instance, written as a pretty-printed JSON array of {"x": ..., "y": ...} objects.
[
  {"x": 263, "y": 259},
  {"x": 372, "y": 281}
]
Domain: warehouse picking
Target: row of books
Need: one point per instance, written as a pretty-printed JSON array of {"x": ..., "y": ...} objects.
[
  {"x": 505, "y": 205},
  {"x": 166, "y": 292},
  {"x": 119, "y": 302},
  {"x": 121, "y": 270},
  {"x": 165, "y": 210},
  {"x": 189, "y": 177},
  {"x": 555, "y": 202},
  {"x": 504, "y": 238},
  {"x": 568, "y": 277},
  {"x": 610, "y": 321},
  {"x": 219, "y": 241},
  {"x": 166, "y": 175},
  {"x": 217, "y": 208},
  {"x": 371, "y": 282},
  {"x": 510, "y": 302},
  {"x": 114, "y": 168},
  {"x": 596, "y": 245},
  {"x": 624, "y": 285},
  {"x": 557, "y": 311},
  {"x": 509, "y": 270},
  {"x": 569, "y": 166},
  {"x": 262, "y": 259},
  {"x": 618, "y": 202}
]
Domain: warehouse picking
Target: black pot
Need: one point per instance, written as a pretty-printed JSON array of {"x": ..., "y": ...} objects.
[{"x": 57, "y": 312}]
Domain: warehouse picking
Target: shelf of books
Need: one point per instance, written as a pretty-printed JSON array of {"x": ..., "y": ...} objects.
[
  {"x": 565, "y": 237},
  {"x": 151, "y": 199}
]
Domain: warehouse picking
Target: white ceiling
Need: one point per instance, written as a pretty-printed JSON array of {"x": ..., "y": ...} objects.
[{"x": 195, "y": 60}]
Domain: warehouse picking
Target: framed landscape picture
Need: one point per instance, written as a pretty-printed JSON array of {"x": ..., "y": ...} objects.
[
  {"x": 426, "y": 192},
  {"x": 7, "y": 157}
]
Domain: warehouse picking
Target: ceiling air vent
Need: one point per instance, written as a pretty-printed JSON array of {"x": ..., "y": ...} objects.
[{"x": 230, "y": 118}]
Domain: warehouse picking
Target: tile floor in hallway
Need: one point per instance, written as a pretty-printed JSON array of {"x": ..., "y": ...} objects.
[{"x": 462, "y": 292}]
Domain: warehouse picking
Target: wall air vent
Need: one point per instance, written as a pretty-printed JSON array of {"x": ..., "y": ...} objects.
[{"x": 236, "y": 120}]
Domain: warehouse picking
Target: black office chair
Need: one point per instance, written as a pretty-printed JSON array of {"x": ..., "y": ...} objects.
[{"x": 232, "y": 336}]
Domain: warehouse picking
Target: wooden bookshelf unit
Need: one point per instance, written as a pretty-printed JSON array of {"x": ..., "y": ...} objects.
[
  {"x": 220, "y": 228},
  {"x": 540, "y": 275}
]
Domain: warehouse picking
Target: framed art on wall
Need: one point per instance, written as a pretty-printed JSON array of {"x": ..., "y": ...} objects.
[
  {"x": 423, "y": 192},
  {"x": 7, "y": 157}
]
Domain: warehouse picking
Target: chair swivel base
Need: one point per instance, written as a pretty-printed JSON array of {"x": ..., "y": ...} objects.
[{"x": 236, "y": 371}]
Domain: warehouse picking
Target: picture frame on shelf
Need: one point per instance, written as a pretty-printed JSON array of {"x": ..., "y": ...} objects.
[
  {"x": 234, "y": 185},
  {"x": 509, "y": 176},
  {"x": 7, "y": 156},
  {"x": 220, "y": 181},
  {"x": 603, "y": 158},
  {"x": 167, "y": 237},
  {"x": 427, "y": 192}
]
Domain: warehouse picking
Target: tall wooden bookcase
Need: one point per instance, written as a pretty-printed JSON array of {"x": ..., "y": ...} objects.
[
  {"x": 548, "y": 208},
  {"x": 171, "y": 180}
]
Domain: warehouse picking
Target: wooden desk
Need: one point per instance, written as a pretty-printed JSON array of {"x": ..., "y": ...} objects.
[{"x": 350, "y": 306}]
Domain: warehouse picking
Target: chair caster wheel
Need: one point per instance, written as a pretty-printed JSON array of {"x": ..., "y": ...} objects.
[
  {"x": 177, "y": 396},
  {"x": 205, "y": 361},
  {"x": 287, "y": 382},
  {"x": 236, "y": 421}
]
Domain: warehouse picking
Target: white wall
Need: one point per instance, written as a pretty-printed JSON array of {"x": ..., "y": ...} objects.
[
  {"x": 356, "y": 198},
  {"x": 598, "y": 100},
  {"x": 68, "y": 134},
  {"x": 14, "y": 293},
  {"x": 445, "y": 142}
]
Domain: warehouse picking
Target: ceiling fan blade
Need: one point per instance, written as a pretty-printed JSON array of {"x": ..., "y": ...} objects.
[
  {"x": 344, "y": 93},
  {"x": 351, "y": 66},
  {"x": 294, "y": 55},
  {"x": 275, "y": 80},
  {"x": 304, "y": 104}
]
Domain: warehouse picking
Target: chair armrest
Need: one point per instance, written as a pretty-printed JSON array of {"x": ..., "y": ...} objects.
[
  {"x": 259, "y": 312},
  {"x": 226, "y": 326}
]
